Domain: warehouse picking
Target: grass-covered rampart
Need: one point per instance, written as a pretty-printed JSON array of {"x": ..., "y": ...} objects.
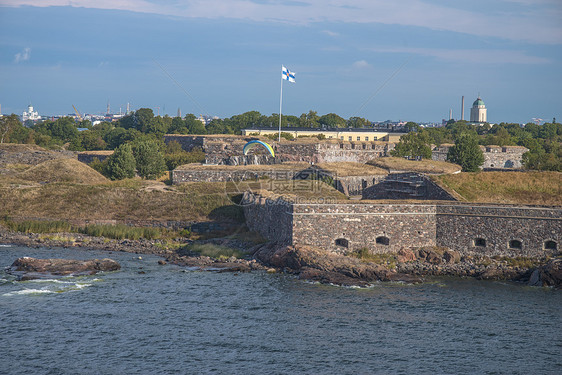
[{"x": 533, "y": 188}]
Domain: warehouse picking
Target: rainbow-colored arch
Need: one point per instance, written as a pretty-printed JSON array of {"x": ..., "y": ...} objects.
[{"x": 253, "y": 144}]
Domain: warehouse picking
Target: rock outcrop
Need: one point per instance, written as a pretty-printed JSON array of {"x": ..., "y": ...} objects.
[
  {"x": 311, "y": 263},
  {"x": 27, "y": 268}
]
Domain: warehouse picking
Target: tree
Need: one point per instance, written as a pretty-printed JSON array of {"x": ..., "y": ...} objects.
[
  {"x": 122, "y": 163},
  {"x": 466, "y": 153},
  {"x": 412, "y": 126},
  {"x": 331, "y": 120},
  {"x": 7, "y": 125},
  {"x": 414, "y": 145},
  {"x": 358, "y": 122},
  {"x": 150, "y": 162}
]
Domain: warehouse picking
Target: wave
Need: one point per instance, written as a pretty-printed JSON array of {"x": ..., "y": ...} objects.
[{"x": 28, "y": 291}]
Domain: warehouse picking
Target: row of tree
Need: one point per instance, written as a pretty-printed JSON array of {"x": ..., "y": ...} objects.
[{"x": 543, "y": 141}]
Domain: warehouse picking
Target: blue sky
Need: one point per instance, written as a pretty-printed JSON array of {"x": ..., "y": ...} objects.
[{"x": 227, "y": 55}]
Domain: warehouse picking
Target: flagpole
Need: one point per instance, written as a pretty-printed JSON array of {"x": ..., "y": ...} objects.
[{"x": 280, "y": 104}]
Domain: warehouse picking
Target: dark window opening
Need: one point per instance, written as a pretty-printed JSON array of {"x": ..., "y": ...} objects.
[
  {"x": 480, "y": 242},
  {"x": 342, "y": 242},
  {"x": 515, "y": 244},
  {"x": 383, "y": 240},
  {"x": 550, "y": 245}
]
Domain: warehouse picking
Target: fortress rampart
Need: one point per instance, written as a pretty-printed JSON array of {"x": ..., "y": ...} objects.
[{"x": 470, "y": 229}]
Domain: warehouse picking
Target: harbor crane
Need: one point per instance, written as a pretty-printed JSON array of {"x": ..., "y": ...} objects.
[{"x": 77, "y": 113}]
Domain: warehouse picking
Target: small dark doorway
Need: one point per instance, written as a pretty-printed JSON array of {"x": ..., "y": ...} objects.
[
  {"x": 382, "y": 240},
  {"x": 342, "y": 242},
  {"x": 550, "y": 245},
  {"x": 515, "y": 244},
  {"x": 480, "y": 242}
]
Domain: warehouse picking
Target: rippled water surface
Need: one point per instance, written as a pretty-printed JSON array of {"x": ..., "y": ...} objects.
[{"x": 169, "y": 320}]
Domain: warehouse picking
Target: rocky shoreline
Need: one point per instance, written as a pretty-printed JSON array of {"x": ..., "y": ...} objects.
[{"x": 308, "y": 263}]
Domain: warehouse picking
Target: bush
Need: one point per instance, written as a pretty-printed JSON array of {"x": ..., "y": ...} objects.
[
  {"x": 150, "y": 162},
  {"x": 121, "y": 164},
  {"x": 214, "y": 251},
  {"x": 121, "y": 232},
  {"x": 38, "y": 226}
]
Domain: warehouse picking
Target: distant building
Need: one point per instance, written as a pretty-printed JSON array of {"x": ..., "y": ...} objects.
[
  {"x": 478, "y": 112},
  {"x": 344, "y": 134},
  {"x": 30, "y": 114}
]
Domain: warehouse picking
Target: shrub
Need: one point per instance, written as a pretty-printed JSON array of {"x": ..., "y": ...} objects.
[
  {"x": 150, "y": 162},
  {"x": 121, "y": 164},
  {"x": 121, "y": 232},
  {"x": 214, "y": 251},
  {"x": 38, "y": 226}
]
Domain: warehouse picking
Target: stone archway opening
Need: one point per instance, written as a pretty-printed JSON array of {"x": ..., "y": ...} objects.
[
  {"x": 550, "y": 245},
  {"x": 480, "y": 242},
  {"x": 515, "y": 244},
  {"x": 342, "y": 242},
  {"x": 382, "y": 240}
]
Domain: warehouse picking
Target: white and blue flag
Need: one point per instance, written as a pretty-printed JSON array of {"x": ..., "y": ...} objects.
[{"x": 287, "y": 75}]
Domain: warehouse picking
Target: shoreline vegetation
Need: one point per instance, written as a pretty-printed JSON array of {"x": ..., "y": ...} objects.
[
  {"x": 243, "y": 251},
  {"x": 49, "y": 199}
]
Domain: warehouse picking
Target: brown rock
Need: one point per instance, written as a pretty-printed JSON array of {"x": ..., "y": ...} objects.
[
  {"x": 451, "y": 256},
  {"x": 30, "y": 268},
  {"x": 551, "y": 273},
  {"x": 406, "y": 255}
]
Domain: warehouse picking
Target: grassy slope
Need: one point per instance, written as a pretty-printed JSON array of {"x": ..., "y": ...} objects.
[
  {"x": 535, "y": 188},
  {"x": 423, "y": 166}
]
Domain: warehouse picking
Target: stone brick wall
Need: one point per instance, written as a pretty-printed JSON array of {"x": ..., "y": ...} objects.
[
  {"x": 87, "y": 157},
  {"x": 495, "y": 157},
  {"x": 344, "y": 228},
  {"x": 460, "y": 227},
  {"x": 210, "y": 175},
  {"x": 228, "y": 150},
  {"x": 272, "y": 219},
  {"x": 470, "y": 229},
  {"x": 409, "y": 185}
]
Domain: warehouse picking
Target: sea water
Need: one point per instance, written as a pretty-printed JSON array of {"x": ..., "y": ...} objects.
[{"x": 153, "y": 319}]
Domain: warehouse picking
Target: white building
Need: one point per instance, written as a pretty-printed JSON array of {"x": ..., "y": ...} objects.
[
  {"x": 478, "y": 112},
  {"x": 30, "y": 114}
]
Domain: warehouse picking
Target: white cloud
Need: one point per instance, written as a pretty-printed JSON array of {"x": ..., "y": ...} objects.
[
  {"x": 528, "y": 21},
  {"x": 23, "y": 55},
  {"x": 480, "y": 56},
  {"x": 330, "y": 33},
  {"x": 361, "y": 64}
]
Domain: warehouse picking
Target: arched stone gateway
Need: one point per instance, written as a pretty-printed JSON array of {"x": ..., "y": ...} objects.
[
  {"x": 382, "y": 240},
  {"x": 550, "y": 245},
  {"x": 515, "y": 244},
  {"x": 342, "y": 242},
  {"x": 480, "y": 242}
]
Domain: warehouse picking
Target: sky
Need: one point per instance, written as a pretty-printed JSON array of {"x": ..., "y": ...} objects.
[{"x": 409, "y": 60}]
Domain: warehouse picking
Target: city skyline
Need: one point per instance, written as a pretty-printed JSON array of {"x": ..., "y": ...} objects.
[{"x": 371, "y": 59}]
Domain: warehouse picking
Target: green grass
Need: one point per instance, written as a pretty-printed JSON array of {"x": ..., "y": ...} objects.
[
  {"x": 214, "y": 251},
  {"x": 121, "y": 232},
  {"x": 38, "y": 226},
  {"x": 384, "y": 259},
  {"x": 538, "y": 188}
]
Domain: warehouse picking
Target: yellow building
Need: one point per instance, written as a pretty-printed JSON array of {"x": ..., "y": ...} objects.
[{"x": 344, "y": 134}]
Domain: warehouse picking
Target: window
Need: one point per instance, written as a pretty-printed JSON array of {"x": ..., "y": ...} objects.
[
  {"x": 480, "y": 242},
  {"x": 358, "y": 138},
  {"x": 550, "y": 245},
  {"x": 342, "y": 242},
  {"x": 382, "y": 240},
  {"x": 341, "y": 137},
  {"x": 350, "y": 138},
  {"x": 515, "y": 244},
  {"x": 367, "y": 139}
]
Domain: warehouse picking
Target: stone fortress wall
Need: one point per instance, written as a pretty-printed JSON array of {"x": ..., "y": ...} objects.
[
  {"x": 470, "y": 229},
  {"x": 227, "y": 150},
  {"x": 495, "y": 157}
]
